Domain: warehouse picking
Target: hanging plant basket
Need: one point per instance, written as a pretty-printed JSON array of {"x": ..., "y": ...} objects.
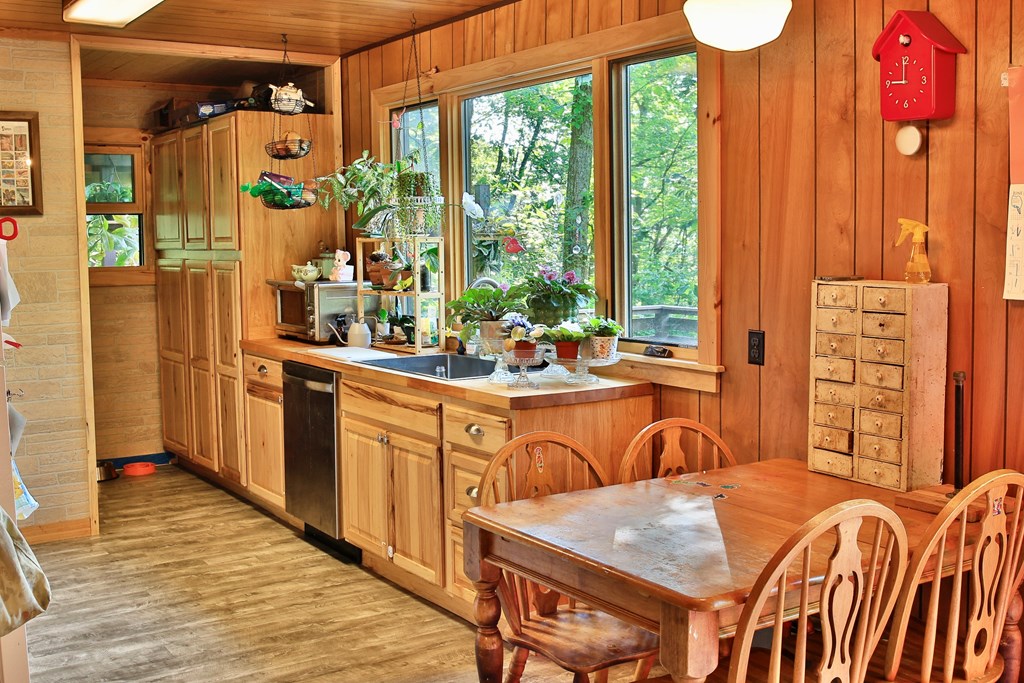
[
  {"x": 288, "y": 149},
  {"x": 419, "y": 215}
]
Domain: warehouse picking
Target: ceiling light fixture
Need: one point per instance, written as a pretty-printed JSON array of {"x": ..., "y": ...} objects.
[
  {"x": 736, "y": 25},
  {"x": 113, "y": 13}
]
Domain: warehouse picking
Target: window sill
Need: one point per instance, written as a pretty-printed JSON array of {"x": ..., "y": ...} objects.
[
  {"x": 675, "y": 372},
  {"x": 121, "y": 277}
]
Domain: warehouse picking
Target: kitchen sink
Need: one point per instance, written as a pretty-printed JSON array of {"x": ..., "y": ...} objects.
[{"x": 439, "y": 366}]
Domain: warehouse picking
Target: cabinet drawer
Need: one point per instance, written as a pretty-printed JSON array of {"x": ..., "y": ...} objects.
[
  {"x": 833, "y": 415},
  {"x": 833, "y": 392},
  {"x": 392, "y": 408},
  {"x": 880, "y": 448},
  {"x": 888, "y": 325},
  {"x": 836, "y": 320},
  {"x": 838, "y": 369},
  {"x": 472, "y": 429},
  {"x": 844, "y": 345},
  {"x": 878, "y": 375},
  {"x": 885, "y": 299},
  {"x": 841, "y": 296},
  {"x": 832, "y": 463},
  {"x": 879, "y": 473},
  {"x": 882, "y": 424},
  {"x": 262, "y": 371},
  {"x": 883, "y": 350},
  {"x": 881, "y": 399},
  {"x": 832, "y": 439},
  {"x": 462, "y": 474}
]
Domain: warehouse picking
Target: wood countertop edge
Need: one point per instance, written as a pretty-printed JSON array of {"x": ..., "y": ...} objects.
[{"x": 467, "y": 390}]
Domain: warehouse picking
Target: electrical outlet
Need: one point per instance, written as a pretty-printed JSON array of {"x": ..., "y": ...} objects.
[{"x": 755, "y": 347}]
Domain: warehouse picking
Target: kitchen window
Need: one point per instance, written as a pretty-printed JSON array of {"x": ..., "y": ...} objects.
[
  {"x": 418, "y": 131},
  {"x": 115, "y": 201}
]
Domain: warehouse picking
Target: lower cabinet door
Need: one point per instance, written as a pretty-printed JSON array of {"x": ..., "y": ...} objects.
[
  {"x": 265, "y": 443},
  {"x": 416, "y": 501},
  {"x": 174, "y": 398},
  {"x": 364, "y": 477}
]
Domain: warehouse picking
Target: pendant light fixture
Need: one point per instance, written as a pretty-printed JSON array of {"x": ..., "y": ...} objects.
[
  {"x": 113, "y": 13},
  {"x": 736, "y": 25}
]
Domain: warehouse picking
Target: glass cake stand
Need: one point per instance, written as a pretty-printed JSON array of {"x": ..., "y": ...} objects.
[
  {"x": 522, "y": 381},
  {"x": 579, "y": 368}
]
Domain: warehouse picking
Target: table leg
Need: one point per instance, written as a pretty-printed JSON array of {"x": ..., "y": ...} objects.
[
  {"x": 486, "y": 608},
  {"x": 1010, "y": 644},
  {"x": 689, "y": 643}
]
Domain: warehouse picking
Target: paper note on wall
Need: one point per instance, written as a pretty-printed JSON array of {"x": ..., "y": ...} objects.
[{"x": 1013, "y": 284}]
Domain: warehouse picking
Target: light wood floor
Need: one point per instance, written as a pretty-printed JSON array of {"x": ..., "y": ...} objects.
[{"x": 188, "y": 583}]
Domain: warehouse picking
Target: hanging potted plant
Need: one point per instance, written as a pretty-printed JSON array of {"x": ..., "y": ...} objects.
[{"x": 604, "y": 339}]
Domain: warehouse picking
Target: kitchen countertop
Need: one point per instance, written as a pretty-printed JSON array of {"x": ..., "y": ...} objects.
[{"x": 552, "y": 392}]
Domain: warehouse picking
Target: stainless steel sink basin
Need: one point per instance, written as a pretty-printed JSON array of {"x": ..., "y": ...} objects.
[{"x": 440, "y": 366}]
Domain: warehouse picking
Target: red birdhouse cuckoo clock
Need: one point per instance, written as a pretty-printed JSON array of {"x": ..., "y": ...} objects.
[{"x": 918, "y": 67}]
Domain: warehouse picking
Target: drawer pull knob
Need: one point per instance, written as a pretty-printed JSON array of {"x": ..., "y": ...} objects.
[
  {"x": 832, "y": 346},
  {"x": 875, "y": 448},
  {"x": 834, "y": 320},
  {"x": 831, "y": 416},
  {"x": 880, "y": 351},
  {"x": 474, "y": 429},
  {"x": 827, "y": 439},
  {"x": 878, "y": 400},
  {"x": 830, "y": 370},
  {"x": 878, "y": 375},
  {"x": 280, "y": 399},
  {"x": 472, "y": 492},
  {"x": 878, "y": 423},
  {"x": 881, "y": 301},
  {"x": 881, "y": 324},
  {"x": 835, "y": 295},
  {"x": 262, "y": 369},
  {"x": 831, "y": 392}
]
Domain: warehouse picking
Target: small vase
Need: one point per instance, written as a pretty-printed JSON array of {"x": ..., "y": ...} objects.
[
  {"x": 603, "y": 348},
  {"x": 524, "y": 349},
  {"x": 491, "y": 337},
  {"x": 567, "y": 350},
  {"x": 546, "y": 312}
]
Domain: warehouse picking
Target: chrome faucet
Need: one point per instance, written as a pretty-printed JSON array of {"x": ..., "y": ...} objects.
[{"x": 483, "y": 280}]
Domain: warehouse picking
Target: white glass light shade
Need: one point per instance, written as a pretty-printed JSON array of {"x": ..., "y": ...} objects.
[
  {"x": 115, "y": 13},
  {"x": 736, "y": 25}
]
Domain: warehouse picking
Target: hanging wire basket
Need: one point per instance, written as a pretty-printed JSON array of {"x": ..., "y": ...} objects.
[
  {"x": 301, "y": 198},
  {"x": 287, "y": 103},
  {"x": 420, "y": 216},
  {"x": 288, "y": 149}
]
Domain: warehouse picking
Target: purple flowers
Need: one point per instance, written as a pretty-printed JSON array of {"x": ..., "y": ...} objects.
[
  {"x": 504, "y": 287},
  {"x": 570, "y": 277}
]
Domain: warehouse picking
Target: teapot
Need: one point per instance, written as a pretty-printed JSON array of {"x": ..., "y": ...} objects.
[
  {"x": 306, "y": 273},
  {"x": 288, "y": 99}
]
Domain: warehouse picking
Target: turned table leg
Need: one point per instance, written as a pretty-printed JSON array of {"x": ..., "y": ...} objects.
[
  {"x": 689, "y": 643},
  {"x": 1010, "y": 644},
  {"x": 486, "y": 608}
]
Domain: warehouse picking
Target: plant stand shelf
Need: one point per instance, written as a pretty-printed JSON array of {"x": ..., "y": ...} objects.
[{"x": 580, "y": 367}]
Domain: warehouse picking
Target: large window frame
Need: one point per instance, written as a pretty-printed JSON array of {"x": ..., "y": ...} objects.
[{"x": 604, "y": 55}]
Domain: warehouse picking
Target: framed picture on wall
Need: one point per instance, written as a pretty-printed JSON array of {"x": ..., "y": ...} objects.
[{"x": 21, "y": 185}]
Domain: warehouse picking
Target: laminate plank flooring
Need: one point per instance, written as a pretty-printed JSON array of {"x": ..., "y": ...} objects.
[{"x": 189, "y": 583}]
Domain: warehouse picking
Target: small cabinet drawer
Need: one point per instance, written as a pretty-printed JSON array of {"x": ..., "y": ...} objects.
[
  {"x": 882, "y": 424},
  {"x": 396, "y": 409},
  {"x": 882, "y": 350},
  {"x": 880, "y": 448},
  {"x": 262, "y": 371},
  {"x": 832, "y": 439},
  {"x": 881, "y": 399},
  {"x": 879, "y": 473},
  {"x": 836, "y": 320},
  {"x": 832, "y": 463},
  {"x": 833, "y": 392},
  {"x": 843, "y": 345},
  {"x": 833, "y": 415},
  {"x": 476, "y": 430},
  {"x": 838, "y": 369},
  {"x": 462, "y": 475},
  {"x": 887, "y": 325},
  {"x": 840, "y": 296},
  {"x": 878, "y": 375},
  {"x": 885, "y": 299}
]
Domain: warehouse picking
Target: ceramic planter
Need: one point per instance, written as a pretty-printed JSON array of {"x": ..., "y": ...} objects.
[
  {"x": 603, "y": 348},
  {"x": 544, "y": 312},
  {"x": 568, "y": 350},
  {"x": 524, "y": 349}
]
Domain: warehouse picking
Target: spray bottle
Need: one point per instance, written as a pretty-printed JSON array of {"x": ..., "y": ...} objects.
[{"x": 917, "y": 270}]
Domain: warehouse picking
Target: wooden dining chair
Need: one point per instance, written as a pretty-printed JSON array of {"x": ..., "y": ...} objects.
[
  {"x": 849, "y": 560},
  {"x": 952, "y": 632},
  {"x": 674, "y": 455},
  {"x": 575, "y": 637}
]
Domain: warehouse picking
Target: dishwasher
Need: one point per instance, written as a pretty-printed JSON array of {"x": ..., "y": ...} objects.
[{"x": 311, "y": 482}]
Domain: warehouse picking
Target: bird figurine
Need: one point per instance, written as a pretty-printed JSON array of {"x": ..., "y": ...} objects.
[{"x": 512, "y": 245}]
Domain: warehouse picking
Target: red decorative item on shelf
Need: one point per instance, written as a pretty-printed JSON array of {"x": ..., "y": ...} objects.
[
  {"x": 567, "y": 350},
  {"x": 524, "y": 349}
]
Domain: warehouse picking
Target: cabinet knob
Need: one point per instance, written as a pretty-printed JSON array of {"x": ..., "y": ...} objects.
[
  {"x": 472, "y": 492},
  {"x": 831, "y": 416},
  {"x": 831, "y": 392},
  {"x": 262, "y": 370},
  {"x": 280, "y": 399},
  {"x": 880, "y": 351},
  {"x": 878, "y": 400},
  {"x": 878, "y": 424},
  {"x": 473, "y": 429},
  {"x": 881, "y": 324},
  {"x": 835, "y": 296},
  {"x": 391, "y": 552},
  {"x": 827, "y": 439},
  {"x": 878, "y": 375},
  {"x": 881, "y": 301},
  {"x": 834, "y": 320},
  {"x": 876, "y": 448},
  {"x": 833, "y": 346}
]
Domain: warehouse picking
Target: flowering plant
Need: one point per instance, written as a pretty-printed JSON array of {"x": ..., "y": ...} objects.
[
  {"x": 603, "y": 327},
  {"x": 520, "y": 328},
  {"x": 555, "y": 288},
  {"x": 566, "y": 332}
]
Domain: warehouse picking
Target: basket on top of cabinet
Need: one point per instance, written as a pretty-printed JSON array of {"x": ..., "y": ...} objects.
[{"x": 878, "y": 382}]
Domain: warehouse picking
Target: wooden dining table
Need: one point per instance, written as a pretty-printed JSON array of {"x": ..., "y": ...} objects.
[{"x": 677, "y": 556}]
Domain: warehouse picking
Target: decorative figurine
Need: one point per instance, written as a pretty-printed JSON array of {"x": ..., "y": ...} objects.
[{"x": 342, "y": 272}]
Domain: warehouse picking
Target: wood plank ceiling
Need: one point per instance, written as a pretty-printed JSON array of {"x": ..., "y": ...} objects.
[{"x": 335, "y": 27}]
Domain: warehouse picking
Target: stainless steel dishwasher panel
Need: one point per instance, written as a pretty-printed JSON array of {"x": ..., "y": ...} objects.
[{"x": 310, "y": 454}]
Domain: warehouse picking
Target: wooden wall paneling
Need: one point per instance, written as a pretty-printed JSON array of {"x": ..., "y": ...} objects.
[
  {"x": 530, "y": 23},
  {"x": 458, "y": 44},
  {"x": 951, "y": 195},
  {"x": 1015, "y": 309},
  {"x": 488, "y": 37},
  {"x": 741, "y": 268},
  {"x": 504, "y": 30},
  {"x": 392, "y": 57},
  {"x": 441, "y": 47},
  {"x": 648, "y": 8},
  {"x": 580, "y": 17},
  {"x": 354, "y": 122},
  {"x": 992, "y": 165},
  {"x": 868, "y": 134},
  {"x": 375, "y": 58},
  {"x": 474, "y": 38},
  {"x": 423, "y": 43},
  {"x": 787, "y": 229},
  {"x": 559, "y": 21},
  {"x": 835, "y": 137},
  {"x": 668, "y": 6},
  {"x": 364, "y": 89},
  {"x": 631, "y": 12},
  {"x": 604, "y": 14}
]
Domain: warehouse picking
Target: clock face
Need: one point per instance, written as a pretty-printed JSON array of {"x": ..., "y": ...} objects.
[{"x": 907, "y": 85}]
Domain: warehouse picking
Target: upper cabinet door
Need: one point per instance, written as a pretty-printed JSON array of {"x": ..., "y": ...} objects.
[
  {"x": 194, "y": 188},
  {"x": 167, "y": 191},
  {"x": 223, "y": 176}
]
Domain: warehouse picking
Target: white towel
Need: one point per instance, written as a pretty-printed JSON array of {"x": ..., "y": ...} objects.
[{"x": 9, "y": 296}]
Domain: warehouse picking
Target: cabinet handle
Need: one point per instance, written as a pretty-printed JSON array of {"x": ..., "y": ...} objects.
[
  {"x": 878, "y": 400},
  {"x": 832, "y": 346},
  {"x": 384, "y": 439},
  {"x": 262, "y": 370},
  {"x": 878, "y": 424},
  {"x": 881, "y": 324},
  {"x": 473, "y": 429},
  {"x": 878, "y": 375},
  {"x": 827, "y": 439},
  {"x": 280, "y": 399},
  {"x": 831, "y": 416},
  {"x": 880, "y": 351},
  {"x": 391, "y": 552},
  {"x": 835, "y": 296},
  {"x": 472, "y": 492},
  {"x": 834, "y": 320},
  {"x": 875, "y": 448},
  {"x": 881, "y": 301},
  {"x": 830, "y": 370}
]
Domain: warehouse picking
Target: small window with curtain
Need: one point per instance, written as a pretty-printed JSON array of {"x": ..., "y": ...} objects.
[{"x": 114, "y": 197}]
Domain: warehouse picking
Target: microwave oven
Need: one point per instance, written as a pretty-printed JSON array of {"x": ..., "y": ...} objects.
[{"x": 305, "y": 308}]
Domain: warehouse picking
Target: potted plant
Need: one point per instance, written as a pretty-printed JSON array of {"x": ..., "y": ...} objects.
[
  {"x": 604, "y": 337},
  {"x": 483, "y": 308},
  {"x": 398, "y": 271},
  {"x": 376, "y": 266},
  {"x": 552, "y": 296},
  {"x": 566, "y": 336},
  {"x": 522, "y": 335}
]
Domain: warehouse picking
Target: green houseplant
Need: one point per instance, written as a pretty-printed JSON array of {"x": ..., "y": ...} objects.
[
  {"x": 604, "y": 339},
  {"x": 567, "y": 336},
  {"x": 483, "y": 308},
  {"x": 552, "y": 296},
  {"x": 523, "y": 335}
]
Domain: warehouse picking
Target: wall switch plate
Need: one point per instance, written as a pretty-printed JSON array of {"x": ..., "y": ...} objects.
[{"x": 755, "y": 347}]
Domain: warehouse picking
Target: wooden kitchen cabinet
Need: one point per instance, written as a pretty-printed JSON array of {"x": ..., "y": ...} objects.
[
  {"x": 201, "y": 382},
  {"x": 171, "y": 293},
  {"x": 364, "y": 476},
  {"x": 264, "y": 432},
  {"x": 228, "y": 370},
  {"x": 166, "y": 169},
  {"x": 194, "y": 188},
  {"x": 416, "y": 506},
  {"x": 222, "y": 176}
]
